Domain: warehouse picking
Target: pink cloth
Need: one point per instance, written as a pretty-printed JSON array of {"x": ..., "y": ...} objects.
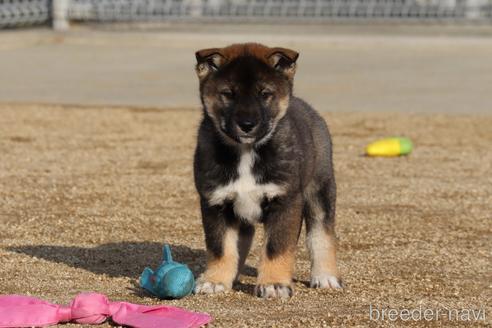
[{"x": 94, "y": 308}]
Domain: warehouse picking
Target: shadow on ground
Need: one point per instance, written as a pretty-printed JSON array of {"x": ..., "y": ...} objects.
[{"x": 122, "y": 259}]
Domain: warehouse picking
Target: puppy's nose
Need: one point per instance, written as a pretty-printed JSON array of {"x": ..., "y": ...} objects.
[{"x": 246, "y": 125}]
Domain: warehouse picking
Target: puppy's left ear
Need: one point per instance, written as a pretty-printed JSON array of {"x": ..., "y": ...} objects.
[
  {"x": 283, "y": 60},
  {"x": 208, "y": 61}
]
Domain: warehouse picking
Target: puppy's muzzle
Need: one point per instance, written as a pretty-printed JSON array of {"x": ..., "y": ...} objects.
[{"x": 246, "y": 126}]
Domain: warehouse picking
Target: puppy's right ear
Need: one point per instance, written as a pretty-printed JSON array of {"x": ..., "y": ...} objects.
[{"x": 208, "y": 61}]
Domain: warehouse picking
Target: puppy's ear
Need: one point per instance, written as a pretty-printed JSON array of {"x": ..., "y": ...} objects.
[
  {"x": 207, "y": 61},
  {"x": 283, "y": 60}
]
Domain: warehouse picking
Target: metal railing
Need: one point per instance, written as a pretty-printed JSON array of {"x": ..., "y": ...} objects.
[
  {"x": 24, "y": 12},
  {"x": 60, "y": 12},
  {"x": 148, "y": 10}
]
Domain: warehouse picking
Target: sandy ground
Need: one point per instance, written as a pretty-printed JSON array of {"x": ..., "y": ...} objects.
[
  {"x": 427, "y": 68},
  {"x": 89, "y": 195}
]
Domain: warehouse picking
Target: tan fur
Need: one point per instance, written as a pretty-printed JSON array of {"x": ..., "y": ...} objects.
[
  {"x": 202, "y": 70},
  {"x": 253, "y": 49},
  {"x": 264, "y": 53},
  {"x": 209, "y": 105},
  {"x": 223, "y": 270},
  {"x": 278, "y": 270},
  {"x": 283, "y": 104}
]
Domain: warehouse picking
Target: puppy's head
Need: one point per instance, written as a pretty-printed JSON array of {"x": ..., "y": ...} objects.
[{"x": 245, "y": 89}]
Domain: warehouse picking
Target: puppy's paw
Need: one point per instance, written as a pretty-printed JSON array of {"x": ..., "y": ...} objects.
[
  {"x": 274, "y": 291},
  {"x": 206, "y": 287},
  {"x": 325, "y": 280}
]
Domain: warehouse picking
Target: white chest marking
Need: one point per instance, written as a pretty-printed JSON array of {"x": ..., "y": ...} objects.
[{"x": 245, "y": 192}]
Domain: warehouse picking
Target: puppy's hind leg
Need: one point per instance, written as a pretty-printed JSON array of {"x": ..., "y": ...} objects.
[{"x": 319, "y": 213}]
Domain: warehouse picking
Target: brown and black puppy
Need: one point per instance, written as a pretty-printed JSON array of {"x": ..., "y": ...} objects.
[{"x": 263, "y": 156}]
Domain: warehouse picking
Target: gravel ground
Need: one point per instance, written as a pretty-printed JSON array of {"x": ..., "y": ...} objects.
[{"x": 89, "y": 195}]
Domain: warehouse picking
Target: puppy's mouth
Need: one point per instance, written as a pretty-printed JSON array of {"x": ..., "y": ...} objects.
[
  {"x": 247, "y": 139},
  {"x": 259, "y": 136}
]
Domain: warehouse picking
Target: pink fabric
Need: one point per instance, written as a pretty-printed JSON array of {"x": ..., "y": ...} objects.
[{"x": 94, "y": 308}]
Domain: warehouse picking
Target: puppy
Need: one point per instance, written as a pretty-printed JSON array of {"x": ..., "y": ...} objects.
[{"x": 262, "y": 156}]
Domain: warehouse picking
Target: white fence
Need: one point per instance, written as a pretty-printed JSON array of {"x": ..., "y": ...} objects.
[{"x": 60, "y": 12}]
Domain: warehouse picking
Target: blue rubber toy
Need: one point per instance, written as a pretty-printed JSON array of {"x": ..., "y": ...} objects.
[{"x": 170, "y": 280}]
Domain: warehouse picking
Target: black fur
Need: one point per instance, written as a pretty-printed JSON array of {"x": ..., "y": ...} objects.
[
  {"x": 292, "y": 146},
  {"x": 291, "y": 156}
]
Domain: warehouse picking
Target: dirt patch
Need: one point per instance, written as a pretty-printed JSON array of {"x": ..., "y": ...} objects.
[{"x": 88, "y": 197}]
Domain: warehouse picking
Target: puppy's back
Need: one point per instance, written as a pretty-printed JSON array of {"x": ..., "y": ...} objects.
[{"x": 312, "y": 128}]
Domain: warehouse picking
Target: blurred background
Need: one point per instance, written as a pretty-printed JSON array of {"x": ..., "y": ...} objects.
[
  {"x": 18, "y": 12},
  {"x": 356, "y": 55}
]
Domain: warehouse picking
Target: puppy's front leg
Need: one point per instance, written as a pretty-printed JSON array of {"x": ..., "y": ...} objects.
[
  {"x": 221, "y": 238},
  {"x": 282, "y": 226}
]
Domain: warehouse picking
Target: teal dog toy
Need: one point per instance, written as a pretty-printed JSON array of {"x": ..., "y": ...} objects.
[{"x": 170, "y": 280}]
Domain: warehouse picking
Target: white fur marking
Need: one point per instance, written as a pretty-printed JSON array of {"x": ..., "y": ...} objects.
[
  {"x": 246, "y": 193},
  {"x": 320, "y": 247},
  {"x": 325, "y": 281},
  {"x": 272, "y": 291},
  {"x": 205, "y": 287}
]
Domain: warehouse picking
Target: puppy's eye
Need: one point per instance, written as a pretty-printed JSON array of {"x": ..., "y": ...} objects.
[
  {"x": 266, "y": 94},
  {"x": 227, "y": 94}
]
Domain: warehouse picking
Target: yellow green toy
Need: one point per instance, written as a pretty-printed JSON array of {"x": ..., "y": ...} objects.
[{"x": 390, "y": 147}]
